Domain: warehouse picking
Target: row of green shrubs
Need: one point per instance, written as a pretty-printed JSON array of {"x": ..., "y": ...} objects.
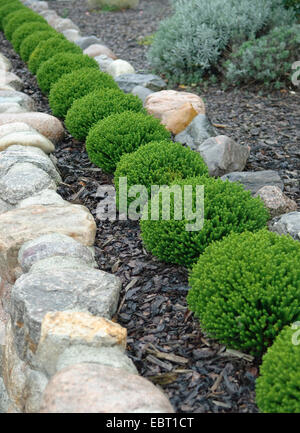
[{"x": 245, "y": 280}]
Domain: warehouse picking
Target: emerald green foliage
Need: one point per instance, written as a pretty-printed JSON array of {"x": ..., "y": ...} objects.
[
  {"x": 25, "y": 30},
  {"x": 76, "y": 85},
  {"x": 7, "y": 9},
  {"x": 49, "y": 48},
  {"x": 158, "y": 163},
  {"x": 87, "y": 111},
  {"x": 53, "y": 69},
  {"x": 32, "y": 41},
  {"x": 267, "y": 60},
  {"x": 122, "y": 133},
  {"x": 246, "y": 288},
  {"x": 278, "y": 387},
  {"x": 16, "y": 19}
]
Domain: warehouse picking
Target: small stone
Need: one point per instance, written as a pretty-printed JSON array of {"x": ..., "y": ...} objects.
[
  {"x": 45, "y": 197},
  {"x": 287, "y": 224},
  {"x": 101, "y": 389},
  {"x": 223, "y": 155},
  {"x": 86, "y": 41},
  {"x": 22, "y": 99},
  {"x": 177, "y": 121},
  {"x": 95, "y": 50},
  {"x": 141, "y": 92},
  {"x": 199, "y": 130},
  {"x": 12, "y": 107},
  {"x": 45, "y": 124},
  {"x": 27, "y": 138},
  {"x": 120, "y": 67},
  {"x": 277, "y": 202},
  {"x": 53, "y": 244},
  {"x": 61, "y": 24},
  {"x": 103, "y": 62},
  {"x": 255, "y": 180},
  {"x": 127, "y": 82},
  {"x": 10, "y": 79},
  {"x": 71, "y": 34},
  {"x": 5, "y": 64}
]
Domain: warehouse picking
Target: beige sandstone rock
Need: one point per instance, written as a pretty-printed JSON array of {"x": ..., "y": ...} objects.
[
  {"x": 27, "y": 138},
  {"x": 95, "y": 50},
  {"x": 276, "y": 201},
  {"x": 178, "y": 120}
]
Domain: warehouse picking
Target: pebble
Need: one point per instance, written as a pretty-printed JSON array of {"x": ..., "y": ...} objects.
[{"x": 120, "y": 67}]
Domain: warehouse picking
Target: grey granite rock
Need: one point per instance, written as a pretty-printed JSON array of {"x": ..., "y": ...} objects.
[
  {"x": 25, "y": 101},
  {"x": 142, "y": 92},
  {"x": 4, "y": 206},
  {"x": 35, "y": 385},
  {"x": 85, "y": 41},
  {"x": 199, "y": 130},
  {"x": 103, "y": 62},
  {"x": 47, "y": 197},
  {"x": 127, "y": 82},
  {"x": 254, "y": 180},
  {"x": 287, "y": 224},
  {"x": 60, "y": 262}
]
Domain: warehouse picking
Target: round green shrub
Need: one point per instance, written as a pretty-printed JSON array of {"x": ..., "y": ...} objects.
[
  {"x": 246, "y": 288},
  {"x": 16, "y": 19},
  {"x": 7, "y": 9},
  {"x": 49, "y": 48},
  {"x": 32, "y": 41},
  {"x": 53, "y": 69},
  {"x": 227, "y": 208},
  {"x": 25, "y": 30},
  {"x": 76, "y": 85},
  {"x": 158, "y": 163},
  {"x": 87, "y": 111},
  {"x": 122, "y": 133},
  {"x": 278, "y": 386}
]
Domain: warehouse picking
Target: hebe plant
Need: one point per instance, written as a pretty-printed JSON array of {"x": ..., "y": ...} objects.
[
  {"x": 76, "y": 85},
  {"x": 87, "y": 111},
  {"x": 7, "y": 9},
  {"x": 122, "y": 133},
  {"x": 29, "y": 44},
  {"x": 278, "y": 386},
  {"x": 16, "y": 19},
  {"x": 246, "y": 288},
  {"x": 51, "y": 70},
  {"x": 25, "y": 30}
]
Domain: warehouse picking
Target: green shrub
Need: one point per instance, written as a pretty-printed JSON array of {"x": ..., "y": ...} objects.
[
  {"x": 228, "y": 208},
  {"x": 158, "y": 163},
  {"x": 49, "y": 48},
  {"x": 7, "y": 9},
  {"x": 122, "y": 133},
  {"x": 278, "y": 387},
  {"x": 16, "y": 19},
  {"x": 87, "y": 111},
  {"x": 294, "y": 4},
  {"x": 267, "y": 60},
  {"x": 53, "y": 69},
  {"x": 76, "y": 85},
  {"x": 246, "y": 288},
  {"x": 25, "y": 30},
  {"x": 31, "y": 42}
]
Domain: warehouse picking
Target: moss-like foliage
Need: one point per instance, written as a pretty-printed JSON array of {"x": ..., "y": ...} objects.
[
  {"x": 30, "y": 43},
  {"x": 87, "y": 111},
  {"x": 49, "y": 48},
  {"x": 25, "y": 30},
  {"x": 158, "y": 163},
  {"x": 76, "y": 85},
  {"x": 16, "y": 19},
  {"x": 53, "y": 69},
  {"x": 7, "y": 9},
  {"x": 122, "y": 133},
  {"x": 278, "y": 387},
  {"x": 245, "y": 289},
  {"x": 227, "y": 208}
]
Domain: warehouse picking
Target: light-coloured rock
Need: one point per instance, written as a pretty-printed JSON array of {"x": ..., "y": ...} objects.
[
  {"x": 199, "y": 130},
  {"x": 5, "y": 402},
  {"x": 21, "y": 225},
  {"x": 35, "y": 386},
  {"x": 103, "y": 62},
  {"x": 86, "y": 41},
  {"x": 4, "y": 206},
  {"x": 120, "y": 67},
  {"x": 142, "y": 92},
  {"x": 47, "y": 125},
  {"x": 10, "y": 79},
  {"x": 12, "y": 107},
  {"x": 5, "y": 64},
  {"x": 287, "y": 224},
  {"x": 95, "y": 50},
  {"x": 22, "y": 99},
  {"x": 27, "y": 138},
  {"x": 101, "y": 389},
  {"x": 53, "y": 244},
  {"x": 121, "y": 4},
  {"x": 49, "y": 15},
  {"x": 127, "y": 82},
  {"x": 14, "y": 127},
  {"x": 7, "y": 88},
  {"x": 223, "y": 155},
  {"x": 39, "y": 6},
  {"x": 254, "y": 180},
  {"x": 45, "y": 197},
  {"x": 61, "y": 24},
  {"x": 71, "y": 34},
  {"x": 61, "y": 262},
  {"x": 276, "y": 201},
  {"x": 177, "y": 121}
]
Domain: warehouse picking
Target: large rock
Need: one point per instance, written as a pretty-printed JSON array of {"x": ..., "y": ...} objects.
[
  {"x": 199, "y": 130},
  {"x": 5, "y": 64},
  {"x": 254, "y": 180},
  {"x": 103, "y": 62},
  {"x": 45, "y": 197},
  {"x": 21, "y": 225},
  {"x": 53, "y": 244},
  {"x": 86, "y": 41},
  {"x": 223, "y": 155},
  {"x": 142, "y": 92},
  {"x": 22, "y": 99},
  {"x": 120, "y": 67},
  {"x": 38, "y": 6},
  {"x": 10, "y": 79},
  {"x": 59, "y": 263},
  {"x": 277, "y": 202},
  {"x": 95, "y": 50},
  {"x": 25, "y": 138},
  {"x": 62, "y": 24},
  {"x": 127, "y": 82},
  {"x": 101, "y": 389},
  {"x": 121, "y": 4},
  {"x": 38, "y": 293},
  {"x": 176, "y": 121},
  {"x": 12, "y": 107},
  {"x": 288, "y": 224},
  {"x": 45, "y": 124},
  {"x": 4, "y": 206},
  {"x": 71, "y": 34}
]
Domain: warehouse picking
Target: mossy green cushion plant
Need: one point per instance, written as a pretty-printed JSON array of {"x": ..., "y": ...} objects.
[
  {"x": 8, "y": 8},
  {"x": 76, "y": 85},
  {"x": 53, "y": 69},
  {"x": 245, "y": 289},
  {"x": 158, "y": 163},
  {"x": 278, "y": 386},
  {"x": 227, "y": 208},
  {"x": 87, "y": 111},
  {"x": 122, "y": 133},
  {"x": 16, "y": 19},
  {"x": 30, "y": 43},
  {"x": 25, "y": 30},
  {"x": 50, "y": 48}
]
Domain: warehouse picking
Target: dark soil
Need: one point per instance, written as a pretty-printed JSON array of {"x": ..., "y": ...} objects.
[{"x": 164, "y": 340}]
